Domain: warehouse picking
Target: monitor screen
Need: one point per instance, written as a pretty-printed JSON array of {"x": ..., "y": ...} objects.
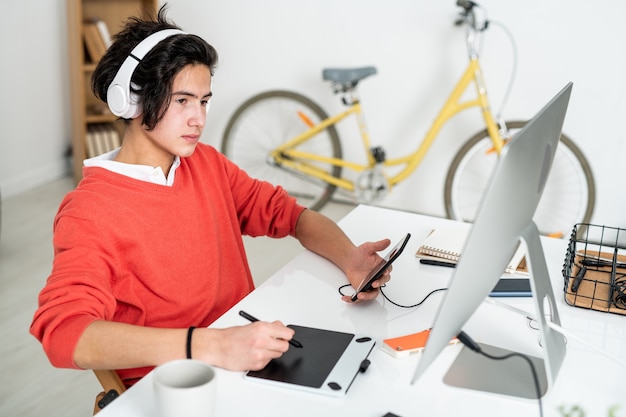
[{"x": 503, "y": 221}]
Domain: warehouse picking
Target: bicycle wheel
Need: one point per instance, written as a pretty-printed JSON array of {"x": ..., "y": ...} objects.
[
  {"x": 268, "y": 120},
  {"x": 568, "y": 197}
]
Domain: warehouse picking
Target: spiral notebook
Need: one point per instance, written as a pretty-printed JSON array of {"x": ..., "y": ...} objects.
[{"x": 446, "y": 244}]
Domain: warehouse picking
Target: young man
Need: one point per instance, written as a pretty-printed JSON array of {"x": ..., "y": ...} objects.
[{"x": 149, "y": 245}]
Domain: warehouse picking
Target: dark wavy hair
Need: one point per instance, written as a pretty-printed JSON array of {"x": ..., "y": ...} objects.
[{"x": 153, "y": 77}]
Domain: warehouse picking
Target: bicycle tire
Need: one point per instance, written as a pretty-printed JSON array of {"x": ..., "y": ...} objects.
[
  {"x": 568, "y": 198},
  {"x": 268, "y": 120}
]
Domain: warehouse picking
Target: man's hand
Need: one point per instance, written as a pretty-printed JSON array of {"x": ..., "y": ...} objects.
[
  {"x": 361, "y": 261},
  {"x": 242, "y": 348}
]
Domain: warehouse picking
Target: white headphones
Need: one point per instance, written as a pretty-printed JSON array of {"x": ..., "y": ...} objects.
[{"x": 121, "y": 101}]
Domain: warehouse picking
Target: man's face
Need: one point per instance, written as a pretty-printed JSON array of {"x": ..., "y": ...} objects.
[{"x": 181, "y": 127}]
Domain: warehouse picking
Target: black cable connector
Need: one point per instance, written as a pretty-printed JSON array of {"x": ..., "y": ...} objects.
[{"x": 469, "y": 342}]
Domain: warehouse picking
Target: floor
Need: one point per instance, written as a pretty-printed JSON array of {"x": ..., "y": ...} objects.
[{"x": 29, "y": 385}]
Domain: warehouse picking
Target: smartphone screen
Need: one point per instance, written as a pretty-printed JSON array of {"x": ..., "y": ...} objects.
[
  {"x": 512, "y": 287},
  {"x": 377, "y": 271}
]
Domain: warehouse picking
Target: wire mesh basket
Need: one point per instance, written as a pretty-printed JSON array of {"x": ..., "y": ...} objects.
[{"x": 595, "y": 268}]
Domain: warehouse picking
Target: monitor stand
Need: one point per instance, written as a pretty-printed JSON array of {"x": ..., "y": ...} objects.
[
  {"x": 513, "y": 376},
  {"x": 510, "y": 376}
]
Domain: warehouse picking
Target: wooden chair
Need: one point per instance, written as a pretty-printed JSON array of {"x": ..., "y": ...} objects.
[{"x": 112, "y": 385}]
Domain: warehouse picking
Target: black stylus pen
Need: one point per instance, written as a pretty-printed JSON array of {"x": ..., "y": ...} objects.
[
  {"x": 292, "y": 342},
  {"x": 437, "y": 263}
]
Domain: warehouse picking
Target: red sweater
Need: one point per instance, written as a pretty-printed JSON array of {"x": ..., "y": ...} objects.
[{"x": 172, "y": 257}]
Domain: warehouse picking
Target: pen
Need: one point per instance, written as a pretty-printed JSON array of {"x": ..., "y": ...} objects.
[
  {"x": 252, "y": 319},
  {"x": 601, "y": 262},
  {"x": 579, "y": 277},
  {"x": 437, "y": 263}
]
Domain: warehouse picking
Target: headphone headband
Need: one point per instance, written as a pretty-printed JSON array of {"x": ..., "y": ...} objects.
[{"x": 121, "y": 101}]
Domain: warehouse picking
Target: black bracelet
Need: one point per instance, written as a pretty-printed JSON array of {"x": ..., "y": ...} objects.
[{"x": 189, "y": 333}]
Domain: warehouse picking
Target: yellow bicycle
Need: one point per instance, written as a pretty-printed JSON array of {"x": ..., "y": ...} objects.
[{"x": 287, "y": 139}]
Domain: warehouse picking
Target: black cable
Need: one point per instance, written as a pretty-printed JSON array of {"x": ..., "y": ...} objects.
[
  {"x": 469, "y": 342},
  {"x": 341, "y": 288},
  {"x": 619, "y": 292},
  {"x": 394, "y": 303},
  {"x": 414, "y": 305}
]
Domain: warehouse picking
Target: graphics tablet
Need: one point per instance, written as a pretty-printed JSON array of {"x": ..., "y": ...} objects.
[{"x": 328, "y": 362}]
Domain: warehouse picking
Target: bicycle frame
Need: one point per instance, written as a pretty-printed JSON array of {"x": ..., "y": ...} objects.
[
  {"x": 289, "y": 156},
  {"x": 272, "y": 137}
]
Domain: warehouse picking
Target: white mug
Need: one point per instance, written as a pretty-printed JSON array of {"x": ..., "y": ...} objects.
[{"x": 185, "y": 387}]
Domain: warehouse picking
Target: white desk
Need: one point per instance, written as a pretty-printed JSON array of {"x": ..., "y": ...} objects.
[{"x": 304, "y": 292}]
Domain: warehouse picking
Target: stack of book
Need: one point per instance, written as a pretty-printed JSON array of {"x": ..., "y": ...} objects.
[
  {"x": 101, "y": 138},
  {"x": 97, "y": 38}
]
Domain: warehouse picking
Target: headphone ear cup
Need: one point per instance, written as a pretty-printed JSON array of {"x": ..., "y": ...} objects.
[
  {"x": 122, "y": 103},
  {"x": 117, "y": 100}
]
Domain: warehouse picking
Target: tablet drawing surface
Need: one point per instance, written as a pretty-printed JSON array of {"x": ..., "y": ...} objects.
[{"x": 327, "y": 363}]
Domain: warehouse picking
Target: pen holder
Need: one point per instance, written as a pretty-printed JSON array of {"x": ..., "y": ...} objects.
[{"x": 594, "y": 269}]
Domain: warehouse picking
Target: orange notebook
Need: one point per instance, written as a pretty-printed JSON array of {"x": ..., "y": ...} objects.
[{"x": 403, "y": 346}]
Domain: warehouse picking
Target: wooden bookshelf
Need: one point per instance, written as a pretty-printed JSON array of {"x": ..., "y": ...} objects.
[{"x": 87, "y": 110}]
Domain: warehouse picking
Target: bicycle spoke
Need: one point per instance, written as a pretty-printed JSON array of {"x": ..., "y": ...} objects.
[
  {"x": 568, "y": 197},
  {"x": 270, "y": 119}
]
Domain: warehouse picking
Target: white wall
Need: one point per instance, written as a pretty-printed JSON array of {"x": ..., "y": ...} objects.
[
  {"x": 419, "y": 54},
  {"x": 34, "y": 106}
]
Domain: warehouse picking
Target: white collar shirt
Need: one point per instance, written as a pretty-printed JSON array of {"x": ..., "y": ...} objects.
[{"x": 146, "y": 173}]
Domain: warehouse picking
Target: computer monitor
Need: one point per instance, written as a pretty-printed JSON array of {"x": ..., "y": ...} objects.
[{"x": 504, "y": 221}]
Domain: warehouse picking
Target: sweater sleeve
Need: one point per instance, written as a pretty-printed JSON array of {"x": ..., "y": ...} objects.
[
  {"x": 77, "y": 291},
  {"x": 262, "y": 208}
]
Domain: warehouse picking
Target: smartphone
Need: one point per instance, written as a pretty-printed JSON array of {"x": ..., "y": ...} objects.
[
  {"x": 377, "y": 271},
  {"x": 512, "y": 287}
]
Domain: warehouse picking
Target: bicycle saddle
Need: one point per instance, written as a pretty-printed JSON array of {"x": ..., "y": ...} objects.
[{"x": 347, "y": 75}]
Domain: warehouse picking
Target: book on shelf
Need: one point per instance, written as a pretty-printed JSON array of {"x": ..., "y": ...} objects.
[
  {"x": 97, "y": 38},
  {"x": 93, "y": 42},
  {"x": 103, "y": 29},
  {"x": 101, "y": 138},
  {"x": 445, "y": 244}
]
